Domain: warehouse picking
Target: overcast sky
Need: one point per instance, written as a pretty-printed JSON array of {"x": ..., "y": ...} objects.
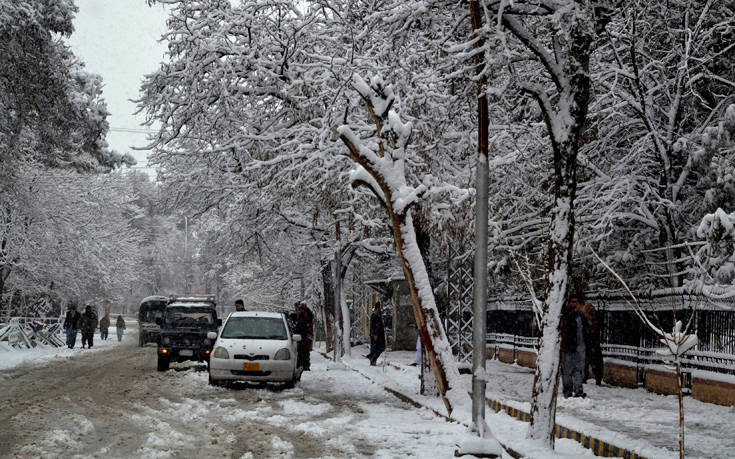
[{"x": 118, "y": 39}]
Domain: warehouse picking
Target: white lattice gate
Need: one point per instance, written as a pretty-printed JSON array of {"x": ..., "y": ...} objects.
[{"x": 460, "y": 293}]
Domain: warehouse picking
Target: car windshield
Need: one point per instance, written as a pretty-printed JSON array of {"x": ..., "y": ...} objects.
[
  {"x": 255, "y": 328},
  {"x": 189, "y": 317}
]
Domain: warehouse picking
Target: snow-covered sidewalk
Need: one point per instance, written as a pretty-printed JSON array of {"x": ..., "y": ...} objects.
[{"x": 633, "y": 419}]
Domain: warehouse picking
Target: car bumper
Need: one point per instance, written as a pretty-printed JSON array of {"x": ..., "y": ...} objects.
[
  {"x": 182, "y": 354},
  {"x": 269, "y": 370}
]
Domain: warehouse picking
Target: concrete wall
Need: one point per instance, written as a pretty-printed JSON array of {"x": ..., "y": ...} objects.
[
  {"x": 505, "y": 355},
  {"x": 712, "y": 391},
  {"x": 661, "y": 382},
  {"x": 619, "y": 374},
  {"x": 404, "y": 322},
  {"x": 526, "y": 358}
]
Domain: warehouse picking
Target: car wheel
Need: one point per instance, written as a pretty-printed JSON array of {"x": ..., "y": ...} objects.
[
  {"x": 213, "y": 382},
  {"x": 163, "y": 363},
  {"x": 290, "y": 384},
  {"x": 141, "y": 339}
]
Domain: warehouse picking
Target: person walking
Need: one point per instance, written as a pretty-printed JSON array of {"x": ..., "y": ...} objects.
[
  {"x": 593, "y": 349},
  {"x": 71, "y": 326},
  {"x": 305, "y": 328},
  {"x": 377, "y": 333},
  {"x": 120, "y": 324},
  {"x": 573, "y": 348},
  {"x": 105, "y": 325},
  {"x": 88, "y": 325},
  {"x": 417, "y": 359}
]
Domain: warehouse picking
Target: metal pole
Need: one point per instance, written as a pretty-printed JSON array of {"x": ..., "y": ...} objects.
[
  {"x": 479, "y": 316},
  {"x": 186, "y": 255}
]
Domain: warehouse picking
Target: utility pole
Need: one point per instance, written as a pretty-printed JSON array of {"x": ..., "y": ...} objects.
[
  {"x": 479, "y": 314},
  {"x": 186, "y": 255},
  {"x": 337, "y": 296}
]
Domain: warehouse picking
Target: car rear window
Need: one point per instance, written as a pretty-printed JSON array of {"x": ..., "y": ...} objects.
[
  {"x": 255, "y": 328},
  {"x": 185, "y": 316}
]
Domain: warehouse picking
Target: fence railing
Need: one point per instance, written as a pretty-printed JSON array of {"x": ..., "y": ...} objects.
[{"x": 622, "y": 334}]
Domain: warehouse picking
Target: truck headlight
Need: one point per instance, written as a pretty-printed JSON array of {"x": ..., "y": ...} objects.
[
  {"x": 221, "y": 353},
  {"x": 282, "y": 354}
]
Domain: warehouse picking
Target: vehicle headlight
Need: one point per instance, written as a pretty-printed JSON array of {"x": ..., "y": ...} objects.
[
  {"x": 221, "y": 353},
  {"x": 206, "y": 342},
  {"x": 282, "y": 354},
  {"x": 166, "y": 340}
]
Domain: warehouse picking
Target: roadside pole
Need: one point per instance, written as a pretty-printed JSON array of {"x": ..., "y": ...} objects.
[{"x": 479, "y": 314}]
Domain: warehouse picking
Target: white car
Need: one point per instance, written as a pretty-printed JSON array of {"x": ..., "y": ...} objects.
[{"x": 254, "y": 346}]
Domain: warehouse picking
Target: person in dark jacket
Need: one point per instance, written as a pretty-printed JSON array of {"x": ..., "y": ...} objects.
[
  {"x": 377, "y": 334},
  {"x": 573, "y": 348},
  {"x": 105, "y": 326},
  {"x": 71, "y": 326},
  {"x": 593, "y": 350},
  {"x": 88, "y": 325},
  {"x": 305, "y": 328},
  {"x": 120, "y": 324}
]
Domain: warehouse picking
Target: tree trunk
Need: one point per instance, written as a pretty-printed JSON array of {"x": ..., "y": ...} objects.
[
  {"x": 425, "y": 312},
  {"x": 546, "y": 378},
  {"x": 328, "y": 289}
]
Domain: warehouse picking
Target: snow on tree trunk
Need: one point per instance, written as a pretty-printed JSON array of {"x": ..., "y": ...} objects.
[
  {"x": 574, "y": 26},
  {"x": 546, "y": 379},
  {"x": 380, "y": 167},
  {"x": 346, "y": 322}
]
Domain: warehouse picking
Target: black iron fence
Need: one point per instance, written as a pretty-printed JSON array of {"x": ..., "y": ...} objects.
[{"x": 624, "y": 337}]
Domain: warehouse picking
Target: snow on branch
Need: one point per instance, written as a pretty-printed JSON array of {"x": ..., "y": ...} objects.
[{"x": 382, "y": 164}]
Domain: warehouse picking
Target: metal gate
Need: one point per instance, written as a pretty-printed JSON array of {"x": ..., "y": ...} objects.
[{"x": 460, "y": 293}]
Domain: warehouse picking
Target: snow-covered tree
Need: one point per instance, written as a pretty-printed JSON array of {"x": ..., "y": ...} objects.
[{"x": 655, "y": 151}]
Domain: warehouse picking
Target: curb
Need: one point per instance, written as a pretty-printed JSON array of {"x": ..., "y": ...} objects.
[{"x": 598, "y": 447}]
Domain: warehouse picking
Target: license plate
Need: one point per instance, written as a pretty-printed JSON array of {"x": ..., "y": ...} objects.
[
  {"x": 250, "y": 366},
  {"x": 186, "y": 352}
]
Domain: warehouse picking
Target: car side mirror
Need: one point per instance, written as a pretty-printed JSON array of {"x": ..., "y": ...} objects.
[
  {"x": 219, "y": 322},
  {"x": 297, "y": 338},
  {"x": 158, "y": 321},
  {"x": 212, "y": 335}
]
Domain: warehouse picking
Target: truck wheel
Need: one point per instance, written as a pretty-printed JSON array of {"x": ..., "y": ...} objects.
[{"x": 163, "y": 363}]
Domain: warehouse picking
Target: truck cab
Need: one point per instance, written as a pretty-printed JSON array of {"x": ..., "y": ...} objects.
[{"x": 185, "y": 324}]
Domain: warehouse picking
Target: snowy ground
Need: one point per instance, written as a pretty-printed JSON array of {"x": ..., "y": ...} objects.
[
  {"x": 634, "y": 419},
  {"x": 111, "y": 401}
]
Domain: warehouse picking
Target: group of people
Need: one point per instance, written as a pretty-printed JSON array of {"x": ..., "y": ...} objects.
[
  {"x": 580, "y": 346},
  {"x": 87, "y": 323}
]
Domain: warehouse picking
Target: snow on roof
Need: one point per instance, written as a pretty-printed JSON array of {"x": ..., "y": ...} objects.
[
  {"x": 192, "y": 305},
  {"x": 256, "y": 314},
  {"x": 154, "y": 298}
]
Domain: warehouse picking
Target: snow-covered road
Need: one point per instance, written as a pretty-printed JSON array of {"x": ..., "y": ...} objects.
[{"x": 114, "y": 403}]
